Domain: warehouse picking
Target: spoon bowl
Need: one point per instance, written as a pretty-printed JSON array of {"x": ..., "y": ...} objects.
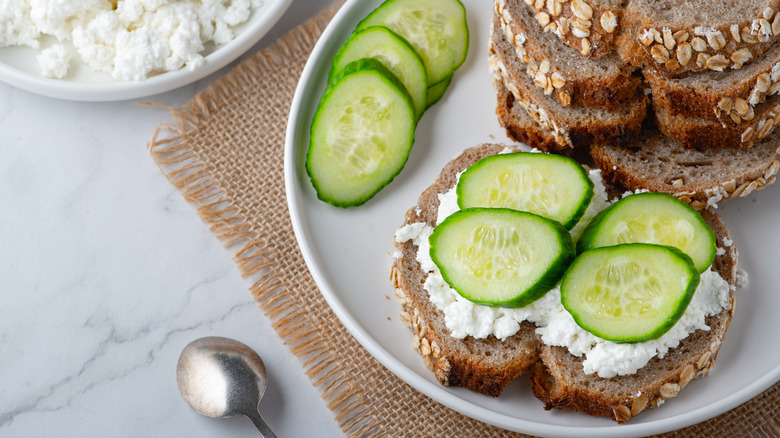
[{"x": 221, "y": 378}]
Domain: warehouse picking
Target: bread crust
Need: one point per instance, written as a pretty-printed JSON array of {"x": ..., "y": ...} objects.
[
  {"x": 466, "y": 362},
  {"x": 645, "y": 38},
  {"x": 735, "y": 105},
  {"x": 699, "y": 133},
  {"x": 606, "y": 91},
  {"x": 700, "y": 178},
  {"x": 593, "y": 41},
  {"x": 569, "y": 129}
]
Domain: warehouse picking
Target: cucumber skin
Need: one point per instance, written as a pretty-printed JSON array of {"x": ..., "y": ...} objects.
[
  {"x": 333, "y": 73},
  {"x": 365, "y": 23},
  {"x": 583, "y": 207},
  {"x": 584, "y": 243},
  {"x": 538, "y": 289},
  {"x": 354, "y": 68},
  {"x": 667, "y": 324},
  {"x": 436, "y": 91}
]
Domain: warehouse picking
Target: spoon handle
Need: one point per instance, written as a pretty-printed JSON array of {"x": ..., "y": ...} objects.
[{"x": 259, "y": 423}]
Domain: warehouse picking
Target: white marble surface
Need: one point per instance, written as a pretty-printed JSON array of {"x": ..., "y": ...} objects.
[{"x": 107, "y": 273}]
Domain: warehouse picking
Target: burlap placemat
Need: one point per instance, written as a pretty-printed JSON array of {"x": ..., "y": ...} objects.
[{"x": 224, "y": 152}]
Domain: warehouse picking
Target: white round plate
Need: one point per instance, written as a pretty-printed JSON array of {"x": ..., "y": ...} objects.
[
  {"x": 19, "y": 66},
  {"x": 348, "y": 253}
]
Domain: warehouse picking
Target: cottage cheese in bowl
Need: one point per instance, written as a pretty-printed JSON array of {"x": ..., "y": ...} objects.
[
  {"x": 106, "y": 50},
  {"x": 128, "y": 39}
]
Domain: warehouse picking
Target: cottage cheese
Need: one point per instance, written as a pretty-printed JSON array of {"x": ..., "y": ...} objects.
[
  {"x": 554, "y": 324},
  {"x": 128, "y": 39}
]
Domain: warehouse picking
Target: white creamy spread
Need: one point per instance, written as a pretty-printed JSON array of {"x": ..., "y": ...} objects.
[
  {"x": 554, "y": 324},
  {"x": 128, "y": 39}
]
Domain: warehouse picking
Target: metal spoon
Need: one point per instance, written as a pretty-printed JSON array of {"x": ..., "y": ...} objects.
[{"x": 221, "y": 378}]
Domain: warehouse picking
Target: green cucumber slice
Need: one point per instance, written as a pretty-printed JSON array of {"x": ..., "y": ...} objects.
[
  {"x": 500, "y": 257},
  {"x": 652, "y": 218},
  {"x": 436, "y": 91},
  {"x": 552, "y": 186},
  {"x": 436, "y": 29},
  {"x": 393, "y": 52},
  {"x": 361, "y": 134},
  {"x": 629, "y": 293}
]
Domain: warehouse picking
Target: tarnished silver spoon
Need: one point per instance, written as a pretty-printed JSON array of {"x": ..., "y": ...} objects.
[{"x": 222, "y": 378}]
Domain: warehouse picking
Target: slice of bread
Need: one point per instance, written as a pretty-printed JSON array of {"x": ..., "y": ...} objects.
[
  {"x": 653, "y": 161},
  {"x": 558, "y": 380},
  {"x": 588, "y": 26},
  {"x": 700, "y": 133},
  {"x": 572, "y": 127},
  {"x": 482, "y": 365},
  {"x": 558, "y": 69},
  {"x": 700, "y": 177},
  {"x": 677, "y": 36},
  {"x": 488, "y": 365},
  {"x": 728, "y": 97}
]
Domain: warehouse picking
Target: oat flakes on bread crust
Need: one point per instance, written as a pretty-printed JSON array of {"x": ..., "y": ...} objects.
[
  {"x": 560, "y": 71},
  {"x": 678, "y": 36},
  {"x": 666, "y": 35},
  {"x": 588, "y": 26},
  {"x": 729, "y": 96},
  {"x": 700, "y": 133},
  {"x": 521, "y": 127},
  {"x": 481, "y": 365},
  {"x": 699, "y": 177},
  {"x": 572, "y": 127},
  {"x": 488, "y": 365},
  {"x": 559, "y": 382}
]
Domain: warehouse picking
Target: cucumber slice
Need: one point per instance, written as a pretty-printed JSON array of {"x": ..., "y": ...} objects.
[
  {"x": 394, "y": 53},
  {"x": 361, "y": 134},
  {"x": 652, "y": 218},
  {"x": 629, "y": 293},
  {"x": 552, "y": 186},
  {"x": 436, "y": 91},
  {"x": 436, "y": 29},
  {"x": 500, "y": 257}
]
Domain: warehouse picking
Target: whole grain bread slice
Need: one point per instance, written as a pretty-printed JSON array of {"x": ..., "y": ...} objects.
[
  {"x": 677, "y": 36},
  {"x": 572, "y": 127},
  {"x": 556, "y": 68},
  {"x": 488, "y": 365},
  {"x": 700, "y": 177},
  {"x": 700, "y": 133},
  {"x": 588, "y": 26},
  {"x": 559, "y": 381},
  {"x": 482, "y": 365},
  {"x": 728, "y": 97},
  {"x": 521, "y": 127}
]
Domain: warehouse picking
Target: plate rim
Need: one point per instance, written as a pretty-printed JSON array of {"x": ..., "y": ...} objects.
[
  {"x": 272, "y": 11},
  {"x": 440, "y": 393}
]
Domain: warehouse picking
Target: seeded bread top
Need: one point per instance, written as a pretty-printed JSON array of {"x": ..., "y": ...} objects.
[
  {"x": 671, "y": 36},
  {"x": 571, "y": 126},
  {"x": 693, "y": 13},
  {"x": 558, "y": 69},
  {"x": 676, "y": 36},
  {"x": 589, "y": 26}
]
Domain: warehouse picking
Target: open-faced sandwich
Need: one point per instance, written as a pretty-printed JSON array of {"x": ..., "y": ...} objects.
[{"x": 515, "y": 262}]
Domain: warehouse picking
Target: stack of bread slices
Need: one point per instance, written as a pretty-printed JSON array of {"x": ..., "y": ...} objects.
[{"x": 674, "y": 96}]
